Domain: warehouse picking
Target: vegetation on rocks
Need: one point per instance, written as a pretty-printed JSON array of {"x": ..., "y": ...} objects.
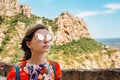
[
  {"x": 49, "y": 22},
  {"x": 82, "y": 45},
  {"x": 81, "y": 53}
]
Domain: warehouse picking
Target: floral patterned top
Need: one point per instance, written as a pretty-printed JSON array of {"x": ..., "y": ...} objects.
[{"x": 29, "y": 71}]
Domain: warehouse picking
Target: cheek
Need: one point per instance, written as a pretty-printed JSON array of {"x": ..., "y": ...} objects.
[{"x": 36, "y": 45}]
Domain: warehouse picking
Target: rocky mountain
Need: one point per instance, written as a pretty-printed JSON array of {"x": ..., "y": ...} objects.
[
  {"x": 66, "y": 27},
  {"x": 71, "y": 38},
  {"x": 70, "y": 28},
  {"x": 16, "y": 18},
  {"x": 12, "y": 8}
]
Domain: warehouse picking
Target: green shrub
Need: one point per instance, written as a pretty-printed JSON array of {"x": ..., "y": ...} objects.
[
  {"x": 6, "y": 39},
  {"x": 49, "y": 22},
  {"x": 22, "y": 18},
  {"x": 1, "y": 20},
  {"x": 4, "y": 42},
  {"x": 82, "y": 45},
  {"x": 12, "y": 22}
]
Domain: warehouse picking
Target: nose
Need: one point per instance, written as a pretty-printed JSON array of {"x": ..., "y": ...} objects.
[{"x": 45, "y": 40}]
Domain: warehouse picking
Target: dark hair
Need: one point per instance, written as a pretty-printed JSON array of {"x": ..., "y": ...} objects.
[{"x": 28, "y": 37}]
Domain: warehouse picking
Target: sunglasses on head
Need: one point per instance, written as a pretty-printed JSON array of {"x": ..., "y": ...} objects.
[{"x": 48, "y": 37}]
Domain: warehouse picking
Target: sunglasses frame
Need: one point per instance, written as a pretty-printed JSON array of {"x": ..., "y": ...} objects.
[{"x": 42, "y": 37}]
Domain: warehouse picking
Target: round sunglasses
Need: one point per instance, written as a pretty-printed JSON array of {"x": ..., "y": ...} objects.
[{"x": 48, "y": 37}]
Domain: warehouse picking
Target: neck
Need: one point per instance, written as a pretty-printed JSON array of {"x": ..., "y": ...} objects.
[{"x": 37, "y": 59}]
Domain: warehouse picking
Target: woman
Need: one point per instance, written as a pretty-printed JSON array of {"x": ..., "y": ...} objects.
[{"x": 35, "y": 66}]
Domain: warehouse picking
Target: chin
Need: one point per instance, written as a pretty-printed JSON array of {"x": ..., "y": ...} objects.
[{"x": 46, "y": 50}]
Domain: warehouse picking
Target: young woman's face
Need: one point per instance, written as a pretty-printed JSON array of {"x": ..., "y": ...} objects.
[{"x": 40, "y": 42}]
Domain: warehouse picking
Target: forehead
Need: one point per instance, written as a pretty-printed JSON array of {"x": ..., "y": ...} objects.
[{"x": 42, "y": 31}]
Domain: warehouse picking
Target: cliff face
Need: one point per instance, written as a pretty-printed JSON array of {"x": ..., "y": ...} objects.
[
  {"x": 12, "y": 8},
  {"x": 9, "y": 7},
  {"x": 10, "y": 38},
  {"x": 70, "y": 28}
]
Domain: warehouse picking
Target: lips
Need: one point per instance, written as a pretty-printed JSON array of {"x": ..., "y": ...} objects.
[{"x": 46, "y": 46}]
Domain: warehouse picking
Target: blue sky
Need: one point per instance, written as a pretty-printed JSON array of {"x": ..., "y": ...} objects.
[{"x": 101, "y": 16}]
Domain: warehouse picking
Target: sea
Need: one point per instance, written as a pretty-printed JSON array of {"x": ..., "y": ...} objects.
[{"x": 112, "y": 42}]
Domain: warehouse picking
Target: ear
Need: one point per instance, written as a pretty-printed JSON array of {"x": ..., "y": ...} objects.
[{"x": 28, "y": 44}]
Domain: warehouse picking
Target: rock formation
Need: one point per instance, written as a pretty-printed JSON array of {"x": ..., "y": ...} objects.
[
  {"x": 70, "y": 28},
  {"x": 12, "y": 8},
  {"x": 26, "y": 10},
  {"x": 3, "y": 29}
]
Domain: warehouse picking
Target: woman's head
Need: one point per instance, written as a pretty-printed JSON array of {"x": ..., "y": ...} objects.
[{"x": 36, "y": 40}]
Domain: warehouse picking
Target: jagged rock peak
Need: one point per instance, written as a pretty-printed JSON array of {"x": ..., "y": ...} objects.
[
  {"x": 12, "y": 8},
  {"x": 70, "y": 28},
  {"x": 65, "y": 13}
]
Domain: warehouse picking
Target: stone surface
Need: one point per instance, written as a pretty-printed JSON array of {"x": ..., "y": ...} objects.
[
  {"x": 27, "y": 11},
  {"x": 76, "y": 74},
  {"x": 12, "y": 8},
  {"x": 70, "y": 28},
  {"x": 4, "y": 69},
  {"x": 94, "y": 74}
]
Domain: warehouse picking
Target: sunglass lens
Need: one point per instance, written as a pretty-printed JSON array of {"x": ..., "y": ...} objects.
[
  {"x": 40, "y": 37},
  {"x": 49, "y": 37}
]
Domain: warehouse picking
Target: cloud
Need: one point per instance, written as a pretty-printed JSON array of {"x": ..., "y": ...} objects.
[
  {"x": 88, "y": 13},
  {"x": 113, "y": 6},
  {"x": 109, "y": 9}
]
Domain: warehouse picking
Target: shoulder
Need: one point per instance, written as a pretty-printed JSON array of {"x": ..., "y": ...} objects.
[
  {"x": 12, "y": 72},
  {"x": 57, "y": 68},
  {"x": 56, "y": 64}
]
